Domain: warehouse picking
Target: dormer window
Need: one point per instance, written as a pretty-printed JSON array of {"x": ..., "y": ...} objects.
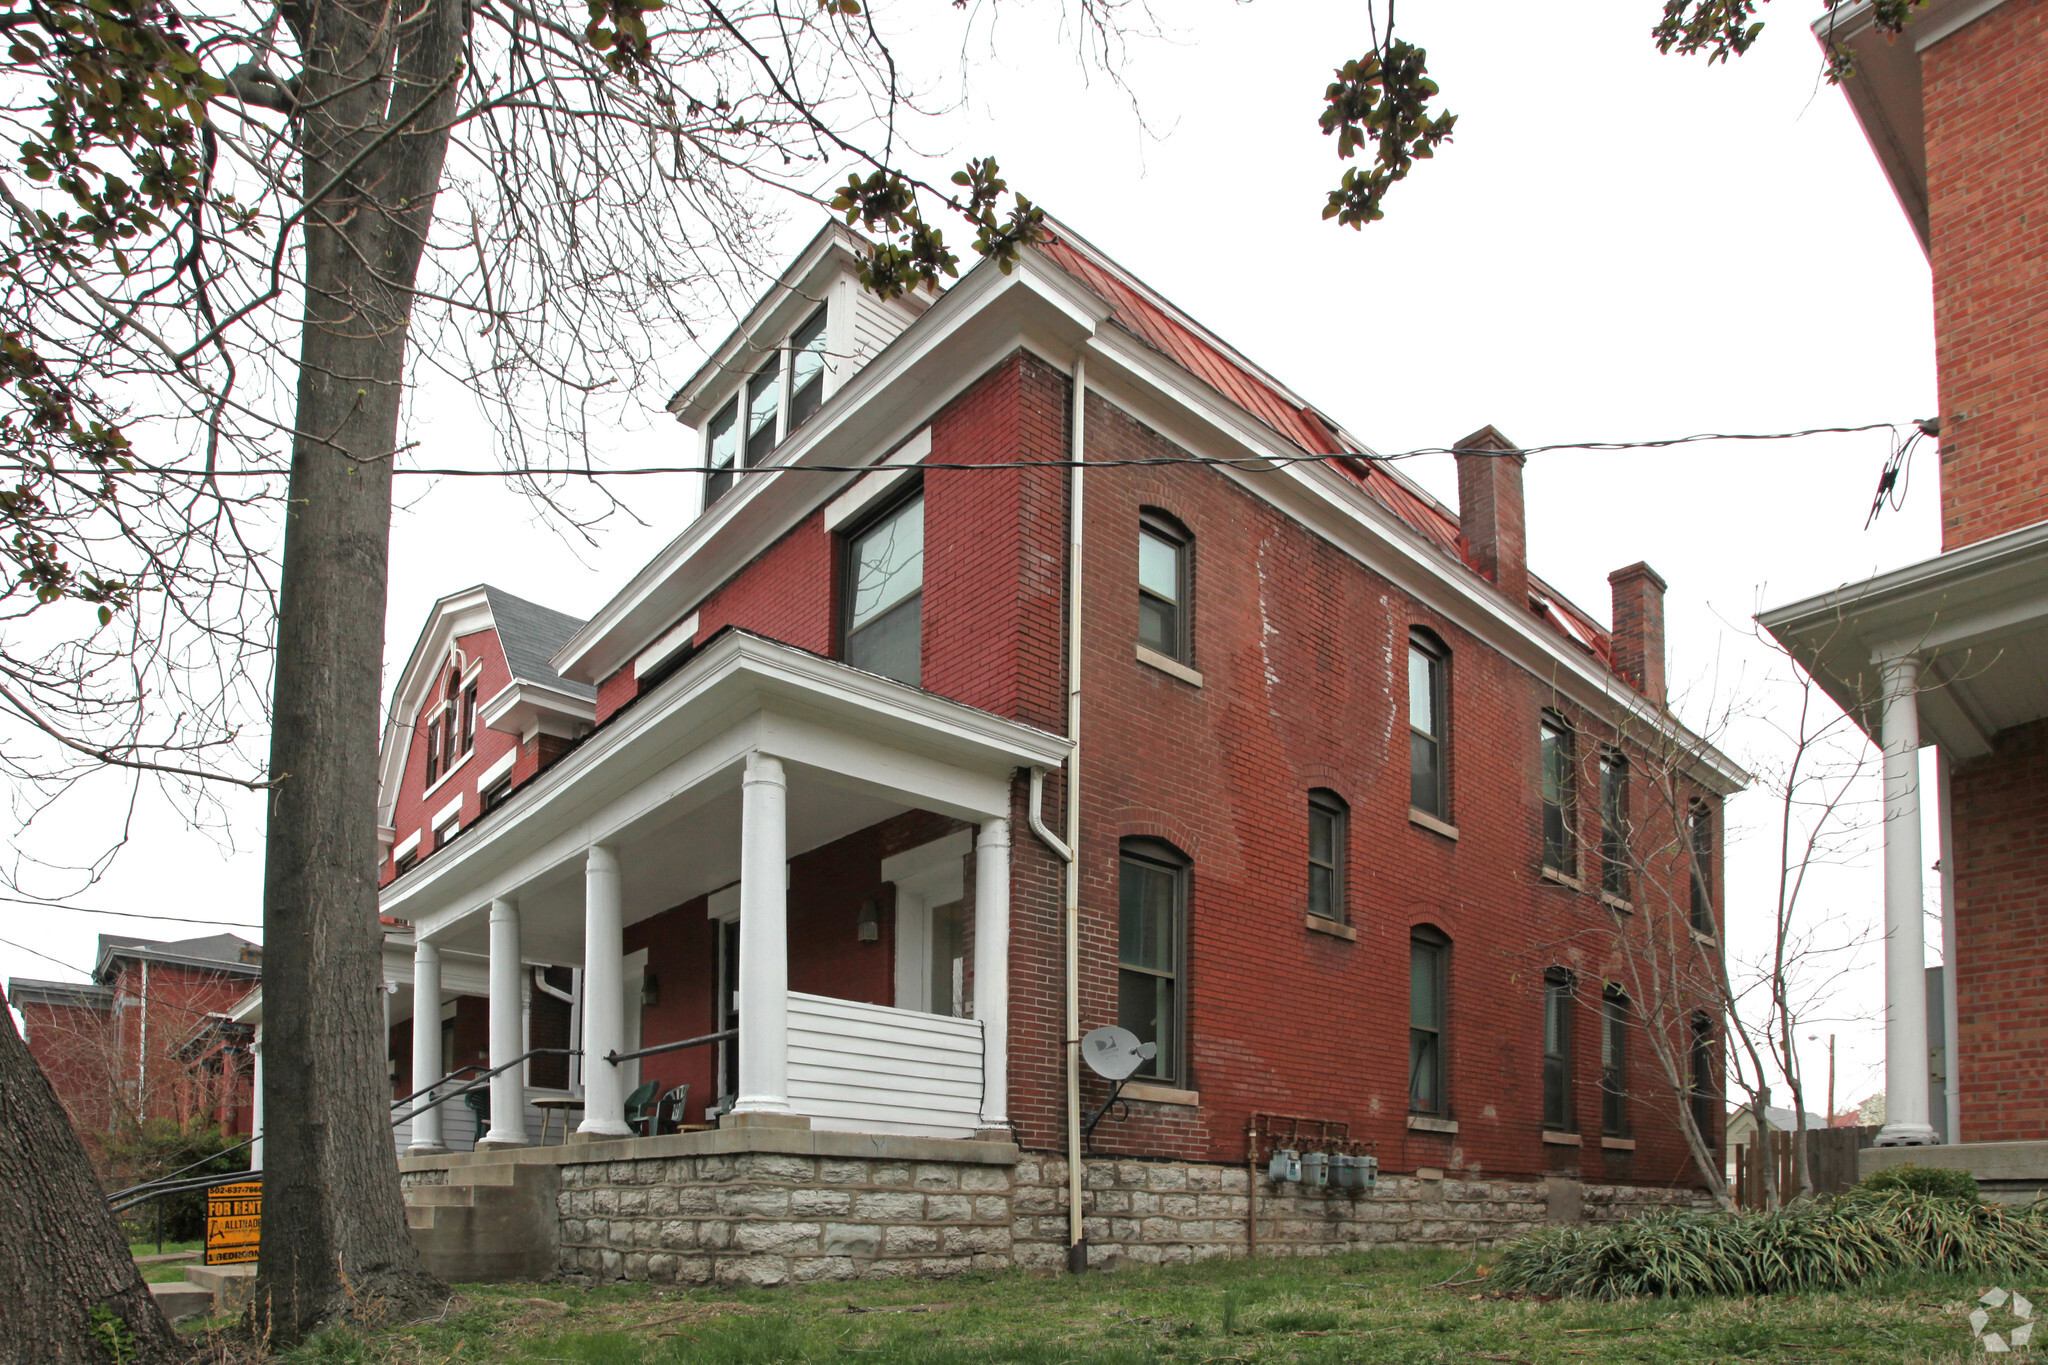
[
  {"x": 756, "y": 420},
  {"x": 433, "y": 752}
]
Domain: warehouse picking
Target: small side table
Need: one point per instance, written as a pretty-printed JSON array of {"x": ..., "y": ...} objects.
[{"x": 549, "y": 1108}]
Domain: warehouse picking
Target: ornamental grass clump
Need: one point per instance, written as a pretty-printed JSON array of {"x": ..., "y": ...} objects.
[{"x": 1815, "y": 1244}]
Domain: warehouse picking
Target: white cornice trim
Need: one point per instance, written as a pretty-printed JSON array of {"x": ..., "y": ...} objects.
[
  {"x": 457, "y": 614},
  {"x": 520, "y": 707}
]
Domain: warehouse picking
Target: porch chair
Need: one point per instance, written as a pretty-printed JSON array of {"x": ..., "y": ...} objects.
[
  {"x": 668, "y": 1115},
  {"x": 479, "y": 1102},
  {"x": 642, "y": 1106}
]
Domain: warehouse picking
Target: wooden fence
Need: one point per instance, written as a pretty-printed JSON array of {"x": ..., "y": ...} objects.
[{"x": 1830, "y": 1155}]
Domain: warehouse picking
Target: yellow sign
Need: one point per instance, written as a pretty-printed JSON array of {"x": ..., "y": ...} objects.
[{"x": 234, "y": 1222}]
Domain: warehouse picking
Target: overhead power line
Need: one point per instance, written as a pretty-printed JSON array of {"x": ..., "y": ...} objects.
[{"x": 1246, "y": 463}]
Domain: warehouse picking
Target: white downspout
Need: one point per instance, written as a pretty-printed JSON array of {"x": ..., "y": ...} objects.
[{"x": 1077, "y": 1241}]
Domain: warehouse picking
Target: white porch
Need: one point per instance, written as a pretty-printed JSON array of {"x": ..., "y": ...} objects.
[
  {"x": 750, "y": 756},
  {"x": 1951, "y": 652}
]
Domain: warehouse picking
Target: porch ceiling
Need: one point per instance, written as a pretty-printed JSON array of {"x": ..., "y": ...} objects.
[
  {"x": 1977, "y": 618},
  {"x": 661, "y": 786}
]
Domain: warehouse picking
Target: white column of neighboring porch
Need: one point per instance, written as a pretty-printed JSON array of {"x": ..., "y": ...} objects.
[
  {"x": 256, "y": 1100},
  {"x": 508, "y": 1087},
  {"x": 1905, "y": 981},
  {"x": 604, "y": 996},
  {"x": 764, "y": 939},
  {"x": 992, "y": 967},
  {"x": 426, "y": 1044}
]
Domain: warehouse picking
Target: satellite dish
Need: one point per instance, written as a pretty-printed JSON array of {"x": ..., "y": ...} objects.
[{"x": 1115, "y": 1053}]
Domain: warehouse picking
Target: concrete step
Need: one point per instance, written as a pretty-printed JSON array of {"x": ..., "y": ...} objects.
[
  {"x": 490, "y": 1173},
  {"x": 230, "y": 1285},
  {"x": 181, "y": 1300},
  {"x": 494, "y": 1221},
  {"x": 437, "y": 1196}
]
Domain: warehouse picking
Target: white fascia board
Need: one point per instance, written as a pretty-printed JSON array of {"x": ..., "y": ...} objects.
[
  {"x": 1165, "y": 397},
  {"x": 723, "y": 904},
  {"x": 740, "y": 694},
  {"x": 915, "y": 862},
  {"x": 871, "y": 488},
  {"x": 520, "y": 706},
  {"x": 664, "y": 649},
  {"x": 935, "y": 358},
  {"x": 461, "y": 613}
]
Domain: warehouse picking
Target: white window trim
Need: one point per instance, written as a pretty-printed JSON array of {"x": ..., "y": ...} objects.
[
  {"x": 446, "y": 813},
  {"x": 664, "y": 649},
  {"x": 497, "y": 770},
  {"x": 457, "y": 766},
  {"x": 877, "y": 483},
  {"x": 409, "y": 844}
]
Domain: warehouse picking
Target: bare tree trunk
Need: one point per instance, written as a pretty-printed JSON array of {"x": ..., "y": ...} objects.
[
  {"x": 374, "y": 137},
  {"x": 63, "y": 1260}
]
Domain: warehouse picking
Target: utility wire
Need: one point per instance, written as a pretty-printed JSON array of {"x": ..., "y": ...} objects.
[
  {"x": 126, "y": 914},
  {"x": 1248, "y": 463}
]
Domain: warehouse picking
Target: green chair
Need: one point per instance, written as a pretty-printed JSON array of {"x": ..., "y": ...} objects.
[{"x": 643, "y": 1105}]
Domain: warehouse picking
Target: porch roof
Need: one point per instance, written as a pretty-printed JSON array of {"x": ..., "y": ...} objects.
[
  {"x": 1977, "y": 618},
  {"x": 660, "y": 776}
]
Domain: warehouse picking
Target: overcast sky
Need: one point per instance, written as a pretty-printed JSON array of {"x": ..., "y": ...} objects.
[{"x": 1617, "y": 246}]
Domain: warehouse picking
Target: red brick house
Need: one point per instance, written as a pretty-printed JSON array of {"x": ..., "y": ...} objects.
[
  {"x": 1350, "y": 778},
  {"x": 1953, "y": 651},
  {"x": 149, "y": 1038}
]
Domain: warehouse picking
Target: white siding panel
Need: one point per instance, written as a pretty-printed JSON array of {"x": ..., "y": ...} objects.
[{"x": 864, "y": 1068}]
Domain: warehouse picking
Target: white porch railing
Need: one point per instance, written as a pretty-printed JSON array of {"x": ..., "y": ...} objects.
[{"x": 860, "y": 1068}]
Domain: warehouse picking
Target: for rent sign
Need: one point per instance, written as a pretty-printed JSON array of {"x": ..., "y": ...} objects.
[{"x": 234, "y": 1222}]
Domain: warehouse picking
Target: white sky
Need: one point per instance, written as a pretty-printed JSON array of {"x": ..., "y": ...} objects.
[{"x": 1617, "y": 246}]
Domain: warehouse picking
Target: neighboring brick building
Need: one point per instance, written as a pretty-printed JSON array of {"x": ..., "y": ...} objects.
[
  {"x": 1954, "y": 650},
  {"x": 149, "y": 1038},
  {"x": 1350, "y": 776}
]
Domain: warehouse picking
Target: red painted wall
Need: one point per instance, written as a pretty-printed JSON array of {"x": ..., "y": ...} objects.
[
  {"x": 2000, "y": 845},
  {"x": 1985, "y": 97}
]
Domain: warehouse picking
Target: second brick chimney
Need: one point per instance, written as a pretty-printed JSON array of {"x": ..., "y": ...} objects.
[
  {"x": 1490, "y": 516},
  {"x": 1638, "y": 639}
]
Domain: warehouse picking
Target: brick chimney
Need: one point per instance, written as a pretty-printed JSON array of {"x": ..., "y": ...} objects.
[
  {"x": 1639, "y": 629},
  {"x": 1490, "y": 516}
]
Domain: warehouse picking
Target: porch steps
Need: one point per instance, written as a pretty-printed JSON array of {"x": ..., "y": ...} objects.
[
  {"x": 493, "y": 1221},
  {"x": 206, "y": 1289},
  {"x": 181, "y": 1299}
]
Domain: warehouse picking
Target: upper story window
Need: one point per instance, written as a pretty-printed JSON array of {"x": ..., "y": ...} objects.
[
  {"x": 1429, "y": 665},
  {"x": 1163, "y": 587},
  {"x": 1428, "y": 981},
  {"x": 806, "y": 369},
  {"x": 433, "y": 752},
  {"x": 757, "y": 419},
  {"x": 1326, "y": 855},
  {"x": 1559, "y": 769},
  {"x": 885, "y": 593},
  {"x": 1557, "y": 1050},
  {"x": 1614, "y": 851},
  {"x": 1700, "y": 832},
  {"x": 1152, "y": 905},
  {"x": 469, "y": 718}
]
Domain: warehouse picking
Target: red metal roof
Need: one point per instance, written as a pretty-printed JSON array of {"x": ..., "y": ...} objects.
[{"x": 1166, "y": 329}]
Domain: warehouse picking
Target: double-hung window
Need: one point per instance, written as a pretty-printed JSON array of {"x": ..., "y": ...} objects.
[
  {"x": 1614, "y": 1062},
  {"x": 1700, "y": 835},
  {"x": 1559, "y": 766},
  {"x": 1614, "y": 851},
  {"x": 1152, "y": 898},
  {"x": 884, "y": 628},
  {"x": 1428, "y": 980},
  {"x": 757, "y": 419},
  {"x": 433, "y": 752},
  {"x": 469, "y": 718},
  {"x": 1163, "y": 588},
  {"x": 1557, "y": 1050},
  {"x": 1326, "y": 855},
  {"x": 1428, "y": 668}
]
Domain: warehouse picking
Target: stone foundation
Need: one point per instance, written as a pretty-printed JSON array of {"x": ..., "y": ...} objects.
[{"x": 780, "y": 1206}]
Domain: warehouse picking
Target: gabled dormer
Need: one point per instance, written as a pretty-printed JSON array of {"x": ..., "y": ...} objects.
[
  {"x": 477, "y": 711},
  {"x": 801, "y": 343}
]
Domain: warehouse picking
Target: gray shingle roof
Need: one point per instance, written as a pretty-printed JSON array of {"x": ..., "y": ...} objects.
[
  {"x": 225, "y": 951},
  {"x": 531, "y": 635}
]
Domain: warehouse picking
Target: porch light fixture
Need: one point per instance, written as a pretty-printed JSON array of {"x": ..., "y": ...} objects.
[
  {"x": 870, "y": 921},
  {"x": 650, "y": 991}
]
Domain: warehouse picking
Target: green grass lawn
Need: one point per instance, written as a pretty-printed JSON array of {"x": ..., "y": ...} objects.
[{"x": 1381, "y": 1306}]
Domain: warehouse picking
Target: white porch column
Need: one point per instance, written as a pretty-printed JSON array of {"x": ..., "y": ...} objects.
[
  {"x": 508, "y": 1087},
  {"x": 1905, "y": 982},
  {"x": 992, "y": 967},
  {"x": 604, "y": 996},
  {"x": 426, "y": 1044},
  {"x": 256, "y": 1101},
  {"x": 764, "y": 939}
]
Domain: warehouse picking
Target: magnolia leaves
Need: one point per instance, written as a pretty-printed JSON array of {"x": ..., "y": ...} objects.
[
  {"x": 914, "y": 253},
  {"x": 1384, "y": 97}
]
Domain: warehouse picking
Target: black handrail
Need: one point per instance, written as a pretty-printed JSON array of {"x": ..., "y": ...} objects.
[{"x": 616, "y": 1057}]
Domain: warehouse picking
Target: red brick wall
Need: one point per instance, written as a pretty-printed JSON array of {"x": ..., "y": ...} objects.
[
  {"x": 1985, "y": 93},
  {"x": 2000, "y": 836},
  {"x": 74, "y": 1047},
  {"x": 414, "y": 806}
]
